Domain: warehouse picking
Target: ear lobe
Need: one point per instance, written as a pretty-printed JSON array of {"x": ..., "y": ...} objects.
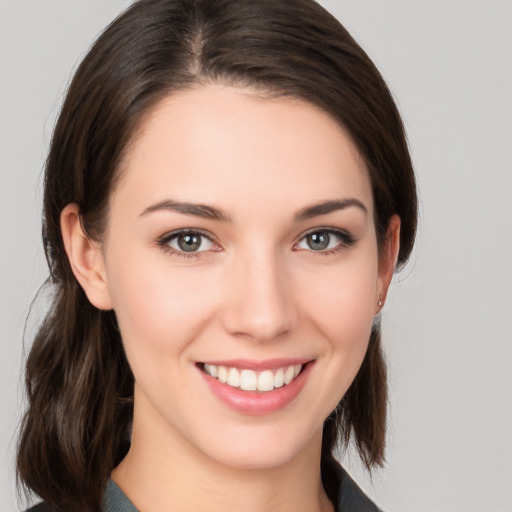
[
  {"x": 85, "y": 258},
  {"x": 388, "y": 259}
]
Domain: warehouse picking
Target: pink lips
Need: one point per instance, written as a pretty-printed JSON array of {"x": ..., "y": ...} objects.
[{"x": 255, "y": 402}]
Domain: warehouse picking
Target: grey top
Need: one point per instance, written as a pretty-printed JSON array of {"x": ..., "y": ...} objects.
[
  {"x": 115, "y": 500},
  {"x": 351, "y": 499}
]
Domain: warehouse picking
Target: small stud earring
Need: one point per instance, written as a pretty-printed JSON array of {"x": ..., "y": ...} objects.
[{"x": 380, "y": 303}]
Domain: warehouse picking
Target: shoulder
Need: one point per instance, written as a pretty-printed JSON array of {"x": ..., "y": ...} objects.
[
  {"x": 352, "y": 498},
  {"x": 40, "y": 507}
]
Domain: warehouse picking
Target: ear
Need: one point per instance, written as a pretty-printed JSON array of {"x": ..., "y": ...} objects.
[
  {"x": 387, "y": 260},
  {"x": 85, "y": 257}
]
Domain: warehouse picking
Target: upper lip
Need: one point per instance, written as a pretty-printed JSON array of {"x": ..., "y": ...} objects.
[{"x": 267, "y": 364}]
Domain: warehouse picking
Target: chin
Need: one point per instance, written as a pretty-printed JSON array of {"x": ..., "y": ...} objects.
[{"x": 262, "y": 447}]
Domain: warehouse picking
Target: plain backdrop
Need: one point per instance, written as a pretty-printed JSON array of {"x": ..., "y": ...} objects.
[{"x": 447, "y": 323}]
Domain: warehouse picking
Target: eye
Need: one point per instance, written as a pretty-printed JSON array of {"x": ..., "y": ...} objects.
[
  {"x": 187, "y": 242},
  {"x": 327, "y": 240}
]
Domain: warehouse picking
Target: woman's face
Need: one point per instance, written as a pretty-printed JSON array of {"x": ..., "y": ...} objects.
[{"x": 241, "y": 245}]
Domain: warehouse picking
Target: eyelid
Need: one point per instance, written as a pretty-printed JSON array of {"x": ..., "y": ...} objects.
[
  {"x": 346, "y": 239},
  {"x": 163, "y": 241}
]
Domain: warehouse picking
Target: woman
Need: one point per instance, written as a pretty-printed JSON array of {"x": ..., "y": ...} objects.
[{"x": 227, "y": 194}]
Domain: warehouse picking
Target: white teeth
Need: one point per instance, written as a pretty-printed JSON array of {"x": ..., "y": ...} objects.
[
  {"x": 266, "y": 381},
  {"x": 222, "y": 373},
  {"x": 233, "y": 378},
  {"x": 249, "y": 380},
  {"x": 288, "y": 374},
  {"x": 279, "y": 378}
]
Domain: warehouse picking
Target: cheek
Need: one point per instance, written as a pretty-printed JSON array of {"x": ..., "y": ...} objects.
[
  {"x": 343, "y": 314},
  {"x": 343, "y": 301},
  {"x": 159, "y": 310}
]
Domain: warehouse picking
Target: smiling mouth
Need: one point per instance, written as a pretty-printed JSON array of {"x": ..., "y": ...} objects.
[{"x": 250, "y": 380}]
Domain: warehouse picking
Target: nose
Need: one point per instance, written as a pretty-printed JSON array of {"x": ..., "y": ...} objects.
[{"x": 260, "y": 306}]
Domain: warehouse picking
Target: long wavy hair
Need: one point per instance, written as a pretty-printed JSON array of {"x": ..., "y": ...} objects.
[{"x": 79, "y": 385}]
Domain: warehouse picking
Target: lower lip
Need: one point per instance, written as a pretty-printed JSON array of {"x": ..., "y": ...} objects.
[{"x": 258, "y": 403}]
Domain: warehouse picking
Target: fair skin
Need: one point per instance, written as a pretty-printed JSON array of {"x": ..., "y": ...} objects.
[{"x": 259, "y": 282}]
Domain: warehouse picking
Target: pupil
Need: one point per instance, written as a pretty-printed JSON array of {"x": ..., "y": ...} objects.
[
  {"x": 318, "y": 241},
  {"x": 189, "y": 243}
]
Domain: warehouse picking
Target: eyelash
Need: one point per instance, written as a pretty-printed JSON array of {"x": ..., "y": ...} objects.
[
  {"x": 164, "y": 241},
  {"x": 346, "y": 240}
]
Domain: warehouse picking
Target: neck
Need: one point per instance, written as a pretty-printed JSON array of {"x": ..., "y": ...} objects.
[{"x": 165, "y": 472}]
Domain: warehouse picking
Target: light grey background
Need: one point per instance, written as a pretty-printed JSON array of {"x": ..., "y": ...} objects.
[{"x": 448, "y": 318}]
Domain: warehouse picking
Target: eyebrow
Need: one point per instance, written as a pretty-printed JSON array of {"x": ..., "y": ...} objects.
[
  {"x": 328, "y": 207},
  {"x": 198, "y": 210},
  {"x": 212, "y": 213}
]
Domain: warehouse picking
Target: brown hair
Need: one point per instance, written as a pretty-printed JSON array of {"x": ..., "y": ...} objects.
[{"x": 79, "y": 384}]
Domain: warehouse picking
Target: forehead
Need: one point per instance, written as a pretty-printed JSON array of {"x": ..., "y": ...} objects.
[{"x": 215, "y": 143}]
